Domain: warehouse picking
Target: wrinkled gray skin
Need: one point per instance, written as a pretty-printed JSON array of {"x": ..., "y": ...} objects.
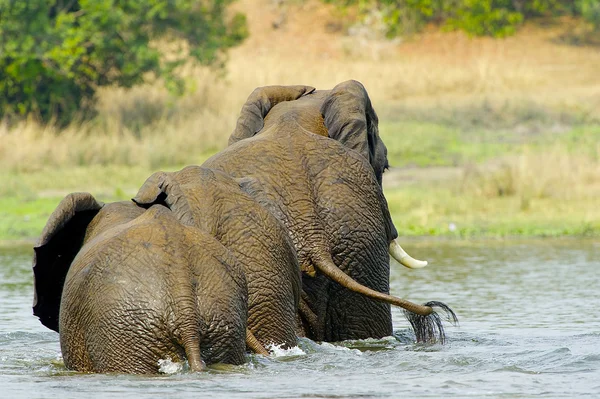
[
  {"x": 344, "y": 114},
  {"x": 328, "y": 194},
  {"x": 332, "y": 205},
  {"x": 215, "y": 203},
  {"x": 141, "y": 287}
]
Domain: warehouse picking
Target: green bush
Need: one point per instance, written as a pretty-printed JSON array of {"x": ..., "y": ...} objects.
[
  {"x": 56, "y": 53},
  {"x": 485, "y": 18},
  {"x": 590, "y": 11},
  {"x": 409, "y": 16},
  {"x": 496, "y": 18}
]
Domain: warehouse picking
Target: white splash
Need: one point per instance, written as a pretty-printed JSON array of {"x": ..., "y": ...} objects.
[
  {"x": 278, "y": 351},
  {"x": 167, "y": 366},
  {"x": 334, "y": 348}
]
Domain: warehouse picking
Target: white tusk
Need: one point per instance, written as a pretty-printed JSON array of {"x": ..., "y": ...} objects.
[{"x": 405, "y": 259}]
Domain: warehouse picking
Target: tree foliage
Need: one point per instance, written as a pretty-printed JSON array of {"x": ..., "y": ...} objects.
[
  {"x": 498, "y": 18},
  {"x": 590, "y": 11},
  {"x": 55, "y": 54}
]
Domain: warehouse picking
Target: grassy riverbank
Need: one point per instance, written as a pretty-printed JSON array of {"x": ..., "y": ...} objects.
[
  {"x": 418, "y": 210},
  {"x": 443, "y": 182},
  {"x": 486, "y": 138}
]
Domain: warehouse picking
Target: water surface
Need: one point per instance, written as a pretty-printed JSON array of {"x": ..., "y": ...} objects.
[{"x": 529, "y": 316}]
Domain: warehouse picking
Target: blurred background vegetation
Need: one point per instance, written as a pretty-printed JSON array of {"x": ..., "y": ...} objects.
[
  {"x": 497, "y": 18},
  {"x": 490, "y": 108}
]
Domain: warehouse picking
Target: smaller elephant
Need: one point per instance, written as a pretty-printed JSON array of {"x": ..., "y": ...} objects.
[
  {"x": 126, "y": 287},
  {"x": 215, "y": 203}
]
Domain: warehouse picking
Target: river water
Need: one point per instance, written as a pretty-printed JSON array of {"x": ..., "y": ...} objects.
[{"x": 529, "y": 316}]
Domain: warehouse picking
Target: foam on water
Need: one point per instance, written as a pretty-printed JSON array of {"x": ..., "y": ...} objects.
[
  {"x": 328, "y": 347},
  {"x": 168, "y": 366},
  {"x": 277, "y": 351}
]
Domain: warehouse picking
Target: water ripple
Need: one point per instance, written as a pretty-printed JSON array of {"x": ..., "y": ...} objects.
[{"x": 505, "y": 345}]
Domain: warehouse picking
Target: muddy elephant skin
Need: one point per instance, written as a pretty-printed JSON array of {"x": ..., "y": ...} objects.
[
  {"x": 137, "y": 287},
  {"x": 215, "y": 203}
]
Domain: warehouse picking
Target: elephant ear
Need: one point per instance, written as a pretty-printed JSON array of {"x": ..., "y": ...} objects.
[
  {"x": 258, "y": 105},
  {"x": 58, "y": 245},
  {"x": 163, "y": 188},
  {"x": 351, "y": 120}
]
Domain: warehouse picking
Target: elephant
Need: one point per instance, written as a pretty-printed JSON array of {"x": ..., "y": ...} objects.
[
  {"x": 344, "y": 114},
  {"x": 215, "y": 203},
  {"x": 328, "y": 194},
  {"x": 126, "y": 287}
]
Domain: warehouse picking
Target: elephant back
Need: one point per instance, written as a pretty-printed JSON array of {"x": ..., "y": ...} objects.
[
  {"x": 344, "y": 113},
  {"x": 153, "y": 289},
  {"x": 216, "y": 203}
]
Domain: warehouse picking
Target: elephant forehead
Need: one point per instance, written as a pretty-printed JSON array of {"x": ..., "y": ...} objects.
[{"x": 306, "y": 112}]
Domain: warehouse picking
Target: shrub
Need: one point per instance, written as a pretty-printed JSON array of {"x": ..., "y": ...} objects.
[
  {"x": 56, "y": 53},
  {"x": 496, "y": 18},
  {"x": 485, "y": 18},
  {"x": 590, "y": 11}
]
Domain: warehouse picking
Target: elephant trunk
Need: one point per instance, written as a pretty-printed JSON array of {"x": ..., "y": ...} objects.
[
  {"x": 403, "y": 258},
  {"x": 325, "y": 265}
]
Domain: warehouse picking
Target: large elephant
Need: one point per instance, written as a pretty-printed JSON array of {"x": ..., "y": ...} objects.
[
  {"x": 126, "y": 287},
  {"x": 215, "y": 203},
  {"x": 344, "y": 114},
  {"x": 328, "y": 194}
]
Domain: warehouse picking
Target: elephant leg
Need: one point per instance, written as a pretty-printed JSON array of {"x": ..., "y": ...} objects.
[
  {"x": 352, "y": 316},
  {"x": 309, "y": 320}
]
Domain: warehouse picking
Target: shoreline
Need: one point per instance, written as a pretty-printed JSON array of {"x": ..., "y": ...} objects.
[{"x": 414, "y": 241}]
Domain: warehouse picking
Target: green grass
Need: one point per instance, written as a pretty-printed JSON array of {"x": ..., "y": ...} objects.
[
  {"x": 493, "y": 182},
  {"x": 497, "y": 137},
  {"x": 417, "y": 210},
  {"x": 551, "y": 190},
  {"x": 23, "y": 219},
  {"x": 28, "y": 199},
  {"x": 432, "y": 211},
  {"x": 426, "y": 144}
]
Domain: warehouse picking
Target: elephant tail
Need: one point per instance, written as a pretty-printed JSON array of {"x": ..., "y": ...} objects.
[
  {"x": 191, "y": 346},
  {"x": 425, "y": 321},
  {"x": 324, "y": 263},
  {"x": 188, "y": 331},
  {"x": 430, "y": 329},
  {"x": 254, "y": 344}
]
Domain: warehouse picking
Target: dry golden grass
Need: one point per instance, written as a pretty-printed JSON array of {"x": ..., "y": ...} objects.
[
  {"x": 553, "y": 173},
  {"x": 481, "y": 101},
  {"x": 431, "y": 73},
  {"x": 29, "y": 147}
]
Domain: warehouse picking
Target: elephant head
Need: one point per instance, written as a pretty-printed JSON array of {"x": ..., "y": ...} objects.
[
  {"x": 344, "y": 114},
  {"x": 126, "y": 287},
  {"x": 215, "y": 203},
  {"x": 334, "y": 209},
  {"x": 258, "y": 105}
]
